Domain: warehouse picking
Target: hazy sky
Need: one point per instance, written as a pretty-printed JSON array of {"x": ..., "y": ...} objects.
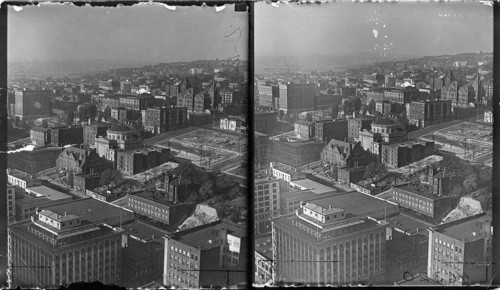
[
  {"x": 402, "y": 28},
  {"x": 149, "y": 33}
]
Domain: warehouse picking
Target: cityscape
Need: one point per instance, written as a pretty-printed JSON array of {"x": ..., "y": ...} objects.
[
  {"x": 353, "y": 146},
  {"x": 131, "y": 175},
  {"x": 378, "y": 131}
]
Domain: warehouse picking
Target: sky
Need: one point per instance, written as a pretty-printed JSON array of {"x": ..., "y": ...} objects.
[
  {"x": 416, "y": 29},
  {"x": 140, "y": 33}
]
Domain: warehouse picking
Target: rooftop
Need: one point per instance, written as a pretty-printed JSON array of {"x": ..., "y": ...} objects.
[
  {"x": 408, "y": 224},
  {"x": 264, "y": 246},
  {"x": 90, "y": 209},
  {"x": 57, "y": 217},
  {"x": 144, "y": 231},
  {"x": 206, "y": 236},
  {"x": 466, "y": 228},
  {"x": 422, "y": 191},
  {"x": 19, "y": 174},
  {"x": 120, "y": 128},
  {"x": 40, "y": 129},
  {"x": 47, "y": 192},
  {"x": 314, "y": 186}
]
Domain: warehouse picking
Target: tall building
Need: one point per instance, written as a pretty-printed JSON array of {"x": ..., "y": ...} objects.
[
  {"x": 63, "y": 136},
  {"x": 161, "y": 120},
  {"x": 264, "y": 121},
  {"x": 460, "y": 252},
  {"x": 11, "y": 207},
  {"x": 265, "y": 94},
  {"x": 296, "y": 98},
  {"x": 355, "y": 125},
  {"x": 62, "y": 248},
  {"x": 261, "y": 149},
  {"x": 327, "y": 130},
  {"x": 428, "y": 113},
  {"x": 200, "y": 256},
  {"x": 266, "y": 202},
  {"x": 32, "y": 105},
  {"x": 91, "y": 132},
  {"x": 324, "y": 243},
  {"x": 399, "y": 154}
]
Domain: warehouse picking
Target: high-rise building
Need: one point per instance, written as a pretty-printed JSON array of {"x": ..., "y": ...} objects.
[
  {"x": 11, "y": 207},
  {"x": 460, "y": 252},
  {"x": 31, "y": 105},
  {"x": 323, "y": 243},
  {"x": 266, "y": 202},
  {"x": 296, "y": 98},
  {"x": 58, "y": 248}
]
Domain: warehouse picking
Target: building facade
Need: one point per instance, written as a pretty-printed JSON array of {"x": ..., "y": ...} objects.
[
  {"x": 30, "y": 105},
  {"x": 422, "y": 114},
  {"x": 266, "y": 203},
  {"x": 135, "y": 161}
]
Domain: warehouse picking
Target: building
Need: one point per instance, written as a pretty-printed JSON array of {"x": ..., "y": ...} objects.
[
  {"x": 383, "y": 130},
  {"x": 72, "y": 249},
  {"x": 398, "y": 96},
  {"x": 34, "y": 161},
  {"x": 135, "y": 161},
  {"x": 264, "y": 122},
  {"x": 466, "y": 95},
  {"x": 202, "y": 101},
  {"x": 296, "y": 154},
  {"x": 311, "y": 185},
  {"x": 261, "y": 149},
  {"x": 159, "y": 208},
  {"x": 450, "y": 92},
  {"x": 84, "y": 182},
  {"x": 266, "y": 202},
  {"x": 234, "y": 123},
  {"x": 322, "y": 101},
  {"x": 390, "y": 81},
  {"x": 422, "y": 114},
  {"x": 40, "y": 136},
  {"x": 355, "y": 125},
  {"x": 112, "y": 102},
  {"x": 186, "y": 99},
  {"x": 200, "y": 257},
  {"x": 327, "y": 130},
  {"x": 73, "y": 161},
  {"x": 295, "y": 98},
  {"x": 263, "y": 259},
  {"x": 265, "y": 94},
  {"x": 91, "y": 132},
  {"x": 164, "y": 119},
  {"x": 21, "y": 179},
  {"x": 488, "y": 116},
  {"x": 286, "y": 173},
  {"x": 383, "y": 107},
  {"x": 118, "y": 137},
  {"x": 420, "y": 200},
  {"x": 460, "y": 252},
  {"x": 62, "y": 136},
  {"x": 305, "y": 129},
  {"x": 348, "y": 175},
  {"x": 323, "y": 230},
  {"x": 136, "y": 103},
  {"x": 345, "y": 154},
  {"x": 11, "y": 206},
  {"x": 397, "y": 155},
  {"x": 31, "y": 105}
]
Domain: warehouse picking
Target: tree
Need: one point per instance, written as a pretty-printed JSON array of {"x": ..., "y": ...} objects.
[
  {"x": 92, "y": 111},
  {"x": 356, "y": 104},
  {"x": 106, "y": 177},
  {"x": 107, "y": 112},
  {"x": 83, "y": 113},
  {"x": 206, "y": 191},
  {"x": 71, "y": 118},
  {"x": 372, "y": 106},
  {"x": 370, "y": 171},
  {"x": 457, "y": 190},
  {"x": 470, "y": 183}
]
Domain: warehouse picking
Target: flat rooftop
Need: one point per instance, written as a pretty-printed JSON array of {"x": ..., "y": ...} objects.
[
  {"x": 264, "y": 246},
  {"x": 206, "y": 236},
  {"x": 425, "y": 192},
  {"x": 92, "y": 210},
  {"x": 314, "y": 186},
  {"x": 465, "y": 228},
  {"x": 44, "y": 191},
  {"x": 357, "y": 203},
  {"x": 408, "y": 224},
  {"x": 144, "y": 231}
]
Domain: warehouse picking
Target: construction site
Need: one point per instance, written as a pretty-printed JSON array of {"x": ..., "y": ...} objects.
[
  {"x": 467, "y": 140},
  {"x": 207, "y": 148}
]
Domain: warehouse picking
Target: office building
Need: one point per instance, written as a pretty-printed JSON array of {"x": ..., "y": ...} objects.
[
  {"x": 266, "y": 202},
  {"x": 422, "y": 114},
  {"x": 327, "y": 130},
  {"x": 40, "y": 136},
  {"x": 62, "y": 136},
  {"x": 198, "y": 257},
  {"x": 460, "y": 252},
  {"x": 295, "y": 98},
  {"x": 91, "y": 132},
  {"x": 164, "y": 119},
  {"x": 31, "y": 105}
]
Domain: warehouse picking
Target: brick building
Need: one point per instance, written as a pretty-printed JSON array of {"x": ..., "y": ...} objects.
[
  {"x": 397, "y": 155},
  {"x": 134, "y": 161},
  {"x": 31, "y": 105},
  {"x": 422, "y": 114},
  {"x": 40, "y": 136},
  {"x": 327, "y": 130},
  {"x": 34, "y": 161},
  {"x": 61, "y": 136},
  {"x": 296, "y": 154}
]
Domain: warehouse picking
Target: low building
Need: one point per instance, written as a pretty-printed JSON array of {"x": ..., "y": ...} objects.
[
  {"x": 461, "y": 251},
  {"x": 159, "y": 208},
  {"x": 285, "y": 172},
  {"x": 347, "y": 175},
  {"x": 84, "y": 182},
  {"x": 417, "y": 199},
  {"x": 210, "y": 250},
  {"x": 296, "y": 154},
  {"x": 400, "y": 154},
  {"x": 383, "y": 130},
  {"x": 40, "y": 136},
  {"x": 21, "y": 179},
  {"x": 305, "y": 129},
  {"x": 345, "y": 154},
  {"x": 73, "y": 161},
  {"x": 35, "y": 197},
  {"x": 117, "y": 138},
  {"x": 135, "y": 161},
  {"x": 234, "y": 123},
  {"x": 34, "y": 161}
]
